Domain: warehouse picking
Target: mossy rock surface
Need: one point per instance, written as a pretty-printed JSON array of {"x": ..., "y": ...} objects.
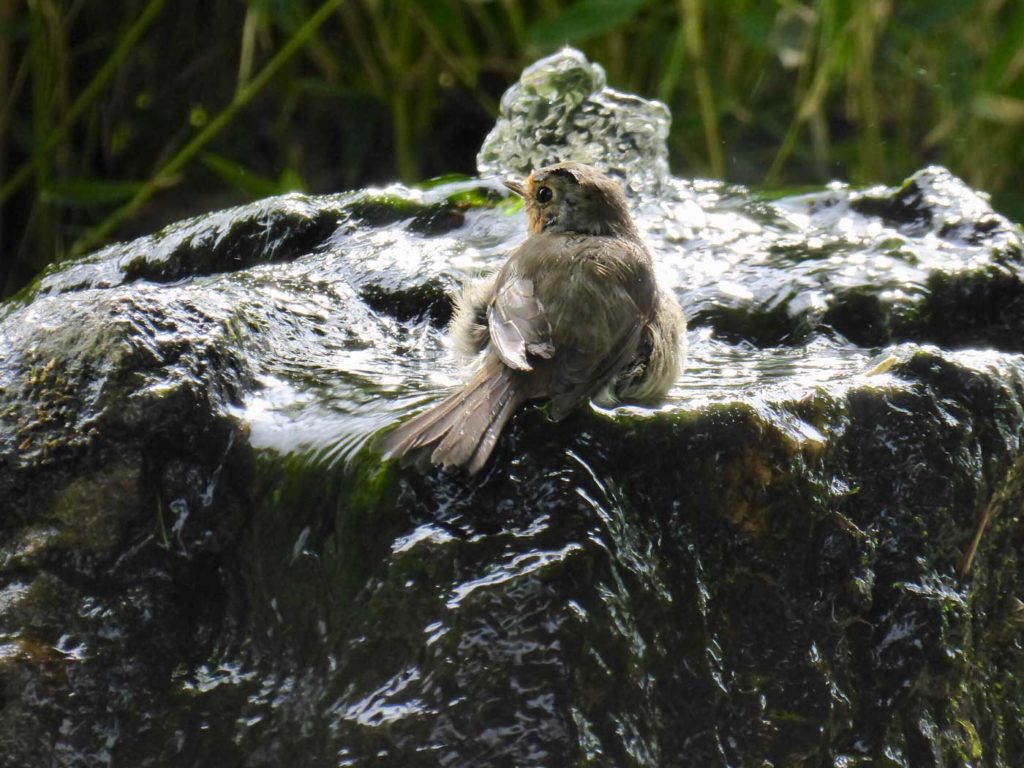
[{"x": 203, "y": 561}]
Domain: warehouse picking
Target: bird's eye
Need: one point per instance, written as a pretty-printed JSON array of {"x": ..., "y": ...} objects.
[{"x": 544, "y": 195}]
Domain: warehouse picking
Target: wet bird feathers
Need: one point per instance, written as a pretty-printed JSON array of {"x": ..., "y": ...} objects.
[{"x": 573, "y": 308}]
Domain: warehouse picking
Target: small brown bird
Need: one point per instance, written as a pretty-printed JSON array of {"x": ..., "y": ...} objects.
[{"x": 575, "y": 313}]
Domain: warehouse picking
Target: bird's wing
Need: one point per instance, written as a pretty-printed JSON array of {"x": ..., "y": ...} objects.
[
  {"x": 609, "y": 342},
  {"x": 580, "y": 374},
  {"x": 517, "y": 323}
]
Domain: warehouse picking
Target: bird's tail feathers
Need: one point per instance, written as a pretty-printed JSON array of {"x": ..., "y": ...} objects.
[{"x": 462, "y": 429}]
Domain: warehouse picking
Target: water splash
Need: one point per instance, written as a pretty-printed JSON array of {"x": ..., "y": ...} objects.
[{"x": 561, "y": 109}]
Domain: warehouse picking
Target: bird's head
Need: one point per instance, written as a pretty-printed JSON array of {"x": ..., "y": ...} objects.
[{"x": 572, "y": 197}]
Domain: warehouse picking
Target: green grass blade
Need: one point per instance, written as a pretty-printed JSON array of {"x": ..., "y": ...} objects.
[
  {"x": 582, "y": 20},
  {"x": 101, "y": 231},
  {"x": 88, "y": 96},
  {"x": 88, "y": 192}
]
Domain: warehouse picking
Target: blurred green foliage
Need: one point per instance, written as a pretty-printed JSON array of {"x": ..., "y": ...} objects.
[{"x": 117, "y": 118}]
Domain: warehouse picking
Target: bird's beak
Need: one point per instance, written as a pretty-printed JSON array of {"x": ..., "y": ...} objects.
[{"x": 516, "y": 187}]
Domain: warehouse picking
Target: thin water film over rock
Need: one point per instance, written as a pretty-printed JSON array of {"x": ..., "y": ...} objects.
[{"x": 808, "y": 555}]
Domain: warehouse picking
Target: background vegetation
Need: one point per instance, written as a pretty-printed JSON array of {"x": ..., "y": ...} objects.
[{"x": 116, "y": 118}]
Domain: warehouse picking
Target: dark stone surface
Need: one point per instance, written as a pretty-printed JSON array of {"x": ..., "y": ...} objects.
[{"x": 203, "y": 561}]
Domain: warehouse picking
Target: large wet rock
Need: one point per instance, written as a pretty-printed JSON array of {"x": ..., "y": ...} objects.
[{"x": 810, "y": 556}]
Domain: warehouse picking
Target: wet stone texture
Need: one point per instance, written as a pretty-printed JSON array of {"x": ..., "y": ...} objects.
[{"x": 809, "y": 556}]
